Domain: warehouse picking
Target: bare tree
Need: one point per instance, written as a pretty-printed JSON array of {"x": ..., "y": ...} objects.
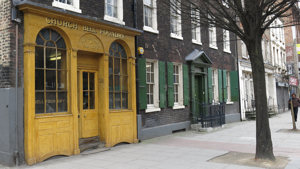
[{"x": 247, "y": 19}]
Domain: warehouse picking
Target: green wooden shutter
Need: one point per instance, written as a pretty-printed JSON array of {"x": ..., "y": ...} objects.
[
  {"x": 142, "y": 83},
  {"x": 162, "y": 85},
  {"x": 209, "y": 79},
  {"x": 225, "y": 85},
  {"x": 220, "y": 85},
  {"x": 170, "y": 84},
  {"x": 186, "y": 96},
  {"x": 234, "y": 85}
]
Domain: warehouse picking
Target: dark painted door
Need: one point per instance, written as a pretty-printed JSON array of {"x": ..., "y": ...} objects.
[{"x": 199, "y": 93}]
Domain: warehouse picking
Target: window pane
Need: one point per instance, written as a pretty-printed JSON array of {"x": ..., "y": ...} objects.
[
  {"x": 62, "y": 80},
  {"x": 51, "y": 102},
  {"x": 148, "y": 77},
  {"x": 111, "y": 102},
  {"x": 46, "y": 34},
  {"x": 61, "y": 43},
  {"x": 39, "y": 102},
  {"x": 124, "y": 66},
  {"x": 117, "y": 83},
  {"x": 123, "y": 52},
  {"x": 85, "y": 81},
  {"x": 124, "y": 84},
  {"x": 117, "y": 101},
  {"x": 39, "y": 40},
  {"x": 110, "y": 65},
  {"x": 50, "y": 80},
  {"x": 50, "y": 44},
  {"x": 39, "y": 57},
  {"x": 85, "y": 100},
  {"x": 39, "y": 79},
  {"x": 92, "y": 100},
  {"x": 61, "y": 59},
  {"x": 50, "y": 58},
  {"x": 124, "y": 100},
  {"x": 117, "y": 66},
  {"x": 54, "y": 36},
  {"x": 111, "y": 87},
  {"x": 92, "y": 81},
  {"x": 62, "y": 102}
]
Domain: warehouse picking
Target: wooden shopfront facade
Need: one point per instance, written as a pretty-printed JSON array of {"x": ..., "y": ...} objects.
[{"x": 79, "y": 82}]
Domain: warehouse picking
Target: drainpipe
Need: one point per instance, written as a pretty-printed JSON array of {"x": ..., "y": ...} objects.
[
  {"x": 136, "y": 54},
  {"x": 17, "y": 21}
]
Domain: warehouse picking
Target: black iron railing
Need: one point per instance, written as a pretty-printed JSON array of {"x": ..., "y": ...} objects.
[{"x": 212, "y": 115}]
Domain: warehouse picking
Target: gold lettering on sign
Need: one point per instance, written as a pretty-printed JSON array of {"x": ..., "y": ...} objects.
[
  {"x": 57, "y": 22},
  {"x": 89, "y": 29},
  {"x": 112, "y": 34}
]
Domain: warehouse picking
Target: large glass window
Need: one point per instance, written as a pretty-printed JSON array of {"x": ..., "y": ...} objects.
[
  {"x": 176, "y": 83},
  {"x": 150, "y": 82},
  {"x": 51, "y": 94},
  {"x": 118, "y": 77},
  {"x": 148, "y": 8},
  {"x": 175, "y": 18},
  {"x": 71, "y": 5}
]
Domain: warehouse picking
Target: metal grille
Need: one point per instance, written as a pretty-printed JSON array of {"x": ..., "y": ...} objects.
[{"x": 212, "y": 115}]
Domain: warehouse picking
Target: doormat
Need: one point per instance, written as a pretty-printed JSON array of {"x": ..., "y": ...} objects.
[
  {"x": 296, "y": 131},
  {"x": 247, "y": 159}
]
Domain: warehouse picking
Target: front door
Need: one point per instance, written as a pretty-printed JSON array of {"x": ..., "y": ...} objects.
[
  {"x": 199, "y": 94},
  {"x": 88, "y": 103}
]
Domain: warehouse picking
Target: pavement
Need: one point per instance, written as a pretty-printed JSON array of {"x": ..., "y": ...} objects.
[{"x": 187, "y": 150}]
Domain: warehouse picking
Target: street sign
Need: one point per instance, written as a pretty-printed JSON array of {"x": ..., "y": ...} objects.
[{"x": 293, "y": 81}]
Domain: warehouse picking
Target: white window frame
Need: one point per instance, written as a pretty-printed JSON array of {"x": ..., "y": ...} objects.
[
  {"x": 152, "y": 29},
  {"x": 228, "y": 87},
  {"x": 119, "y": 18},
  {"x": 178, "y": 33},
  {"x": 155, "y": 106},
  {"x": 212, "y": 31},
  {"x": 225, "y": 3},
  {"x": 75, "y": 7},
  {"x": 195, "y": 25},
  {"x": 215, "y": 86},
  {"x": 179, "y": 104},
  {"x": 226, "y": 41}
]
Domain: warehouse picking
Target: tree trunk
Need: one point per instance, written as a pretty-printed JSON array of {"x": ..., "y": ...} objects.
[{"x": 264, "y": 147}]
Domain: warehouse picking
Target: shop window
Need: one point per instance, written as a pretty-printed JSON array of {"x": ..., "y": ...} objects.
[
  {"x": 71, "y": 5},
  {"x": 51, "y": 93},
  {"x": 114, "y": 11},
  {"x": 118, "y": 77}
]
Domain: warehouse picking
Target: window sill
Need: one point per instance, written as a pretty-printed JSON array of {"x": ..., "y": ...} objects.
[
  {"x": 227, "y": 51},
  {"x": 113, "y": 19},
  {"x": 213, "y": 47},
  {"x": 196, "y": 42},
  {"x": 229, "y": 102},
  {"x": 150, "y": 29},
  {"x": 178, "y": 107},
  {"x": 66, "y": 6},
  {"x": 175, "y": 36},
  {"x": 152, "y": 109}
]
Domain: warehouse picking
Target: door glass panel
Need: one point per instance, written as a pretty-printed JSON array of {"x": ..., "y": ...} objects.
[
  {"x": 92, "y": 81},
  {"x": 85, "y": 80},
  {"x": 92, "y": 100},
  {"x": 111, "y": 100},
  {"x": 85, "y": 100},
  {"x": 124, "y": 100}
]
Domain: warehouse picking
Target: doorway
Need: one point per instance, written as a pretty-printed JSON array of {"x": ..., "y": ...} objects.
[{"x": 199, "y": 94}]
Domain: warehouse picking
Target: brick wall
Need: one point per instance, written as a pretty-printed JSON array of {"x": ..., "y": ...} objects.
[
  {"x": 5, "y": 40},
  {"x": 164, "y": 48},
  {"x": 95, "y": 8}
]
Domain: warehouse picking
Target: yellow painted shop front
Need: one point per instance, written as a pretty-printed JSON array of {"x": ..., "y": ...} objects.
[{"x": 79, "y": 82}]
